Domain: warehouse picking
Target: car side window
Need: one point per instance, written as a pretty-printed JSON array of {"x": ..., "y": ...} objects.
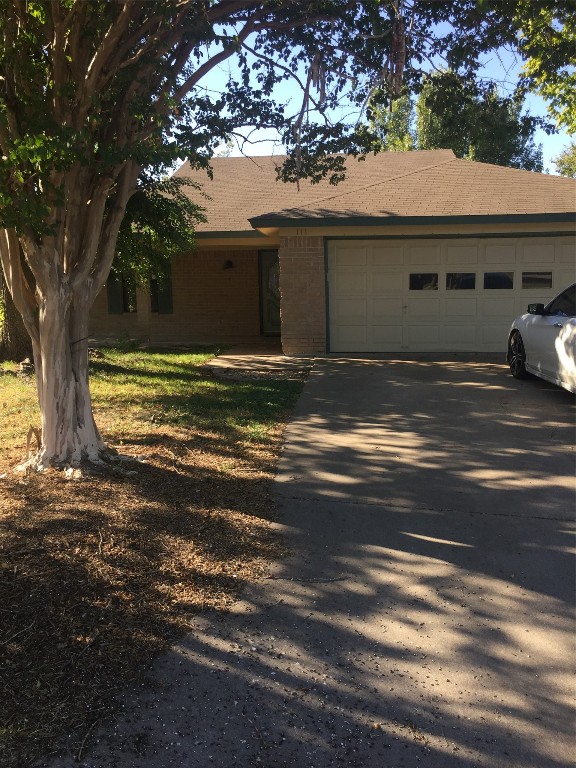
[{"x": 565, "y": 304}]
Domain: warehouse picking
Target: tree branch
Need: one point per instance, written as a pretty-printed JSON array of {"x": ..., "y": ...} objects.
[
  {"x": 98, "y": 274},
  {"x": 20, "y": 290}
]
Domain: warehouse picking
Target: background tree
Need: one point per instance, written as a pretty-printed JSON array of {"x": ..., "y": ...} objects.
[
  {"x": 566, "y": 161},
  {"x": 476, "y": 122},
  {"x": 459, "y": 114},
  {"x": 94, "y": 94},
  {"x": 394, "y": 124}
]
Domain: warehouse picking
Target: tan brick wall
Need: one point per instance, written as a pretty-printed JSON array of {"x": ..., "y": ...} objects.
[
  {"x": 211, "y": 303},
  {"x": 302, "y": 288}
]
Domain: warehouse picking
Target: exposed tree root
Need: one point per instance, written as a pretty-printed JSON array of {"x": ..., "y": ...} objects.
[{"x": 108, "y": 462}]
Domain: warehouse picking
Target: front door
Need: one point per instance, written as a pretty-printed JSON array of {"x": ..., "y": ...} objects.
[{"x": 270, "y": 292}]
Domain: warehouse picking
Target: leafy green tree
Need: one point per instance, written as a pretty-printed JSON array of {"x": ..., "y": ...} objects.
[
  {"x": 566, "y": 161},
  {"x": 394, "y": 124},
  {"x": 547, "y": 40},
  {"x": 459, "y": 114},
  {"x": 158, "y": 225},
  {"x": 95, "y": 94},
  {"x": 476, "y": 122}
]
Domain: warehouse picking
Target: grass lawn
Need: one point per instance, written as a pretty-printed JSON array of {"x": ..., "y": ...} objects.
[{"x": 98, "y": 574}]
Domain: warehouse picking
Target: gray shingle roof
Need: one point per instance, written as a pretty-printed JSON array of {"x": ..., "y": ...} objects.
[{"x": 392, "y": 184}]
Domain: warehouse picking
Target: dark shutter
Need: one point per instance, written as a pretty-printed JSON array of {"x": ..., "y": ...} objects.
[
  {"x": 165, "y": 296},
  {"x": 115, "y": 293}
]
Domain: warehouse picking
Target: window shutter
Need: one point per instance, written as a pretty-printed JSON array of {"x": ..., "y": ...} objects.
[
  {"x": 165, "y": 296},
  {"x": 115, "y": 293}
]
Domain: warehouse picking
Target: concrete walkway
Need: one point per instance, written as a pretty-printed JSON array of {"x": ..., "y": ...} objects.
[
  {"x": 258, "y": 362},
  {"x": 425, "y": 615}
]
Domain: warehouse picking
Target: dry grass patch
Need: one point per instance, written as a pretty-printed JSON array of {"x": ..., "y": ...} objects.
[{"x": 100, "y": 573}]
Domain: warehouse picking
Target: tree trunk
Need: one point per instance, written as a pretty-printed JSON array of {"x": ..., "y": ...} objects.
[
  {"x": 15, "y": 343},
  {"x": 69, "y": 433},
  {"x": 53, "y": 280}
]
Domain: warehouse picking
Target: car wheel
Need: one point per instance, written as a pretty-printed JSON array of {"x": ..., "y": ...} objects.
[{"x": 517, "y": 356}]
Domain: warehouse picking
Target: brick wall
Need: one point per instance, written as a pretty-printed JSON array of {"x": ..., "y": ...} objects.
[
  {"x": 103, "y": 325},
  {"x": 302, "y": 287},
  {"x": 212, "y": 302}
]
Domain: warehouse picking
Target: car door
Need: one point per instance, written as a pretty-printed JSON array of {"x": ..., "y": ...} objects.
[{"x": 554, "y": 340}]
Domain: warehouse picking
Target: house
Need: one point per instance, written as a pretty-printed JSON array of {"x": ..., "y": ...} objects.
[{"x": 413, "y": 252}]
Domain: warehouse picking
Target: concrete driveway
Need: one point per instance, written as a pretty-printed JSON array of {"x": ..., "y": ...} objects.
[{"x": 425, "y": 614}]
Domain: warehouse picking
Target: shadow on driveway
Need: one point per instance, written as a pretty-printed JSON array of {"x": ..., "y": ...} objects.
[{"x": 425, "y": 615}]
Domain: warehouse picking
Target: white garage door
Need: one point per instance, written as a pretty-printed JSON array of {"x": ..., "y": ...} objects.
[{"x": 450, "y": 294}]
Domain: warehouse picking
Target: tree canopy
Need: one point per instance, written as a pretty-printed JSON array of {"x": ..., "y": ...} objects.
[
  {"x": 159, "y": 224},
  {"x": 547, "y": 40},
  {"x": 473, "y": 120},
  {"x": 566, "y": 161}
]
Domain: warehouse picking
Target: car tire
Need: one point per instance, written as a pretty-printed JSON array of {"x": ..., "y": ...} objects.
[{"x": 517, "y": 356}]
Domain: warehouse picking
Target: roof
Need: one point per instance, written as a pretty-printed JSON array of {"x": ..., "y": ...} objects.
[{"x": 425, "y": 184}]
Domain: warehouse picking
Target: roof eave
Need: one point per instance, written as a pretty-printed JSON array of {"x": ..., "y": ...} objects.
[
  {"x": 253, "y": 234},
  {"x": 267, "y": 224}
]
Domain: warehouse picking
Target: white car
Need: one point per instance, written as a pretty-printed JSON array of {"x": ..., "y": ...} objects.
[{"x": 543, "y": 341}]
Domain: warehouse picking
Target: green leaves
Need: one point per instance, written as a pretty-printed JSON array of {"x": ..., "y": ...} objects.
[
  {"x": 159, "y": 224},
  {"x": 566, "y": 161},
  {"x": 471, "y": 119},
  {"x": 39, "y": 150},
  {"x": 546, "y": 40}
]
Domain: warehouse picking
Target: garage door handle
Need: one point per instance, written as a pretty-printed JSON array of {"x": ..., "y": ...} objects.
[{"x": 558, "y": 325}]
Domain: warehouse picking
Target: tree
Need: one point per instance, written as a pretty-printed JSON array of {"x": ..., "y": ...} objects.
[
  {"x": 394, "y": 125},
  {"x": 547, "y": 40},
  {"x": 566, "y": 161},
  {"x": 476, "y": 122},
  {"x": 95, "y": 94},
  {"x": 472, "y": 119},
  {"x": 158, "y": 225}
]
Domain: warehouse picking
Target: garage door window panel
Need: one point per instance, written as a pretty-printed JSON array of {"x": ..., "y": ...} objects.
[
  {"x": 423, "y": 281},
  {"x": 460, "y": 281},
  {"x": 499, "y": 281},
  {"x": 534, "y": 281}
]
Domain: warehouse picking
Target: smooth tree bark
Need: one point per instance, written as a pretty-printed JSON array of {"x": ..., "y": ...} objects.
[{"x": 56, "y": 315}]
